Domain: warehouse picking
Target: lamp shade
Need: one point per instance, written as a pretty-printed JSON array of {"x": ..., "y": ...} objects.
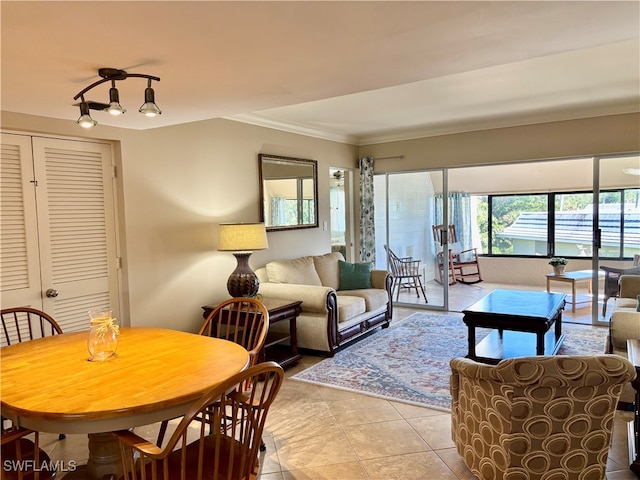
[{"x": 242, "y": 237}]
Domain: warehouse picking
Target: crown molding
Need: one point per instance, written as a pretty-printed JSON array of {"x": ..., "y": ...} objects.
[
  {"x": 492, "y": 123},
  {"x": 260, "y": 121},
  {"x": 423, "y": 131}
]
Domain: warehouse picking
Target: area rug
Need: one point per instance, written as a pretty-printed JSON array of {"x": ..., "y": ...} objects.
[{"x": 409, "y": 361}]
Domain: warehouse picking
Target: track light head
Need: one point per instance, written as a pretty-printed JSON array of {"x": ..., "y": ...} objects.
[
  {"x": 114, "y": 107},
  {"x": 149, "y": 107},
  {"x": 85, "y": 120}
]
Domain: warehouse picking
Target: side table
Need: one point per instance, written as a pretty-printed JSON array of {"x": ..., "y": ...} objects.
[
  {"x": 633, "y": 428},
  {"x": 573, "y": 278},
  {"x": 275, "y": 345}
]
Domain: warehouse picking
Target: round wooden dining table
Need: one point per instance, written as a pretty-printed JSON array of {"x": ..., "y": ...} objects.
[{"x": 49, "y": 384}]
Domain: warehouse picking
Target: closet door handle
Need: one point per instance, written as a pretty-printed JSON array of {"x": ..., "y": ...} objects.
[{"x": 51, "y": 293}]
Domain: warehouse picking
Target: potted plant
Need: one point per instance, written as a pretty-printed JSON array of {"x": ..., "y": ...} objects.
[{"x": 558, "y": 264}]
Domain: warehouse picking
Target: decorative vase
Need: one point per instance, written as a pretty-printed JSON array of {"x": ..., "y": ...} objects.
[
  {"x": 558, "y": 269},
  {"x": 103, "y": 336}
]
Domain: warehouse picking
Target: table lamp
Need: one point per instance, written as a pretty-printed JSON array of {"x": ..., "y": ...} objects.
[{"x": 242, "y": 239}]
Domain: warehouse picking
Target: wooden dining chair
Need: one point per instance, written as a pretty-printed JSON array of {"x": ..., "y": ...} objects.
[
  {"x": 225, "y": 446},
  {"x": 21, "y": 324},
  {"x": 244, "y": 321},
  {"x": 406, "y": 273},
  {"x": 22, "y": 457}
]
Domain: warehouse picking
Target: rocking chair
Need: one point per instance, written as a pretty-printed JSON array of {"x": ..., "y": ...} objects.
[{"x": 463, "y": 264}]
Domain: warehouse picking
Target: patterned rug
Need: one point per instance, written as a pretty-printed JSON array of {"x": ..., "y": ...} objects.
[{"x": 409, "y": 361}]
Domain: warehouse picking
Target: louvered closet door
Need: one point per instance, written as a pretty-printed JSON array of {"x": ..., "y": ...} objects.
[
  {"x": 76, "y": 229},
  {"x": 57, "y": 227},
  {"x": 19, "y": 263}
]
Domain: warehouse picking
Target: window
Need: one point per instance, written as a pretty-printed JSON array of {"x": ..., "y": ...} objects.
[
  {"x": 291, "y": 211},
  {"x": 560, "y": 223},
  {"x": 518, "y": 225},
  {"x": 573, "y": 224},
  {"x": 630, "y": 222},
  {"x": 620, "y": 223}
]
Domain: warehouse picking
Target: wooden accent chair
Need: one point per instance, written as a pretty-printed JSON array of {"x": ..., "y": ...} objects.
[
  {"x": 244, "y": 321},
  {"x": 22, "y": 457},
  {"x": 226, "y": 441},
  {"x": 612, "y": 277},
  {"x": 536, "y": 417},
  {"x": 24, "y": 323},
  {"x": 406, "y": 274},
  {"x": 463, "y": 264}
]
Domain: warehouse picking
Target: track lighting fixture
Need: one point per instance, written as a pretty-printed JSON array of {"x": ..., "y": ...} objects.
[{"x": 148, "y": 108}]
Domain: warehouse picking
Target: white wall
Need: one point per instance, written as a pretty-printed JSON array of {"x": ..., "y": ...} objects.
[
  {"x": 523, "y": 271},
  {"x": 195, "y": 176},
  {"x": 616, "y": 134},
  {"x": 532, "y": 271},
  {"x": 571, "y": 138}
]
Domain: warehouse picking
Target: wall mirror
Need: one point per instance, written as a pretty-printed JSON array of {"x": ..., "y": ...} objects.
[{"x": 288, "y": 192}]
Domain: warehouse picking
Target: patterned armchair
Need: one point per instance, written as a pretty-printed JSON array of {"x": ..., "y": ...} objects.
[{"x": 536, "y": 417}]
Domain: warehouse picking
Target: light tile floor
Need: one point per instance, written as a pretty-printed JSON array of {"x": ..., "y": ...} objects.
[{"x": 321, "y": 433}]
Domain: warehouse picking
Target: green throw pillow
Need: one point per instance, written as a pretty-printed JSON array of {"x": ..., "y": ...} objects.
[
  {"x": 638, "y": 306},
  {"x": 354, "y": 276}
]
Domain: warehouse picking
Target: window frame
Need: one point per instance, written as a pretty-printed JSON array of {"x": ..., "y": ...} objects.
[{"x": 551, "y": 222}]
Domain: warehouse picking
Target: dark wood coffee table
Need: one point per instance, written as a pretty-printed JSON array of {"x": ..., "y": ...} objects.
[{"x": 514, "y": 315}]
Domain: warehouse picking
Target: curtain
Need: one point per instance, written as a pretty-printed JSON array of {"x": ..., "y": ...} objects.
[
  {"x": 459, "y": 205},
  {"x": 279, "y": 211},
  {"x": 367, "y": 224}
]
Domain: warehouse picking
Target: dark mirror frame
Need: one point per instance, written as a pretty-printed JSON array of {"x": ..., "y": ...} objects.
[{"x": 263, "y": 159}]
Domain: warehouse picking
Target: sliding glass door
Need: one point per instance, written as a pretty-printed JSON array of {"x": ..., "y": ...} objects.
[
  {"x": 517, "y": 216},
  {"x": 617, "y": 231},
  {"x": 407, "y": 207}
]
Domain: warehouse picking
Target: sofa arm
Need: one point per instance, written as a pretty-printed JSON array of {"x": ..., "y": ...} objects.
[
  {"x": 629, "y": 286},
  {"x": 379, "y": 279},
  {"x": 314, "y": 298},
  {"x": 624, "y": 325},
  {"x": 383, "y": 280}
]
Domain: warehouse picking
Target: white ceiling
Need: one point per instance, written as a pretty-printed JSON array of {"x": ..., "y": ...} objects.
[{"x": 361, "y": 72}]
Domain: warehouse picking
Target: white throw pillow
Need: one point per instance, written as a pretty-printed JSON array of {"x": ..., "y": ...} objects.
[
  {"x": 300, "y": 271},
  {"x": 327, "y": 268}
]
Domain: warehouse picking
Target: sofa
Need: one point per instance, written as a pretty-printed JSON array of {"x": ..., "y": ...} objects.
[
  {"x": 625, "y": 323},
  {"x": 340, "y": 301}
]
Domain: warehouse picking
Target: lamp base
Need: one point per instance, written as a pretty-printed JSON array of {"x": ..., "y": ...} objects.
[{"x": 243, "y": 282}]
